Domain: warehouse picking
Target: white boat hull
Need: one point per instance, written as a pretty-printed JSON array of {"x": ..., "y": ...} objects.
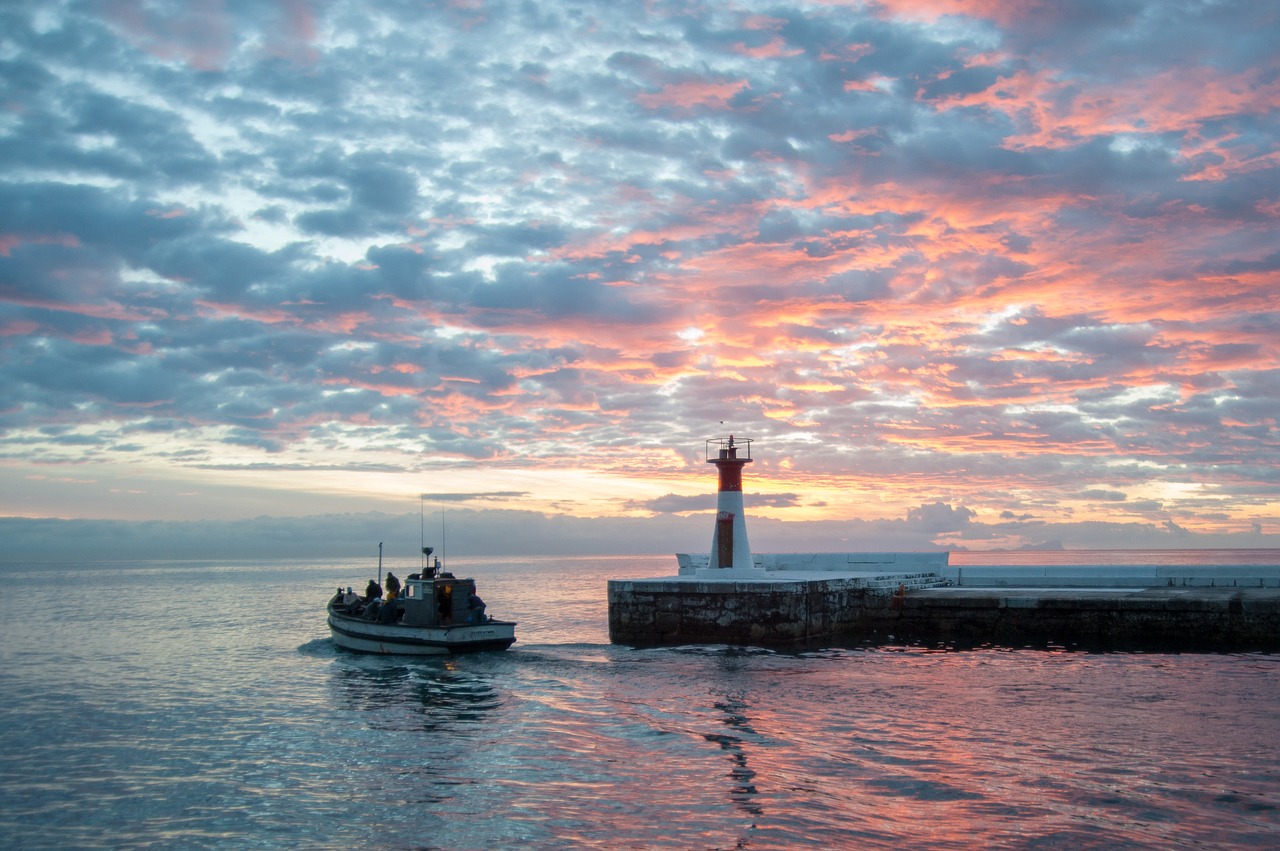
[{"x": 364, "y": 636}]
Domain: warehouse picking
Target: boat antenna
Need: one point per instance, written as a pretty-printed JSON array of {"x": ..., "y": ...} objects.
[
  {"x": 422, "y": 534},
  {"x": 379, "y": 562}
]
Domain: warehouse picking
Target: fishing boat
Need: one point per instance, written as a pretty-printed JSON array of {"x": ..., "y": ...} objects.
[{"x": 434, "y": 613}]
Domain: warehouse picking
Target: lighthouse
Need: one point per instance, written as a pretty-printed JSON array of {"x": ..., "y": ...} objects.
[{"x": 729, "y": 547}]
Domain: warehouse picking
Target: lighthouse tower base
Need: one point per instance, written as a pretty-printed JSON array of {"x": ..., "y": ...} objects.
[{"x": 721, "y": 573}]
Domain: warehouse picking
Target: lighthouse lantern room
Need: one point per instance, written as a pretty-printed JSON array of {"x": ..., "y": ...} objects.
[{"x": 729, "y": 547}]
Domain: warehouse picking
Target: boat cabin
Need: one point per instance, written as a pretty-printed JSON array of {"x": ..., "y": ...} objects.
[{"x": 435, "y": 600}]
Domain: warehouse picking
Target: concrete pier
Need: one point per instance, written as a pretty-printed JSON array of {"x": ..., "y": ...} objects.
[
  {"x": 1188, "y": 618},
  {"x": 799, "y": 599},
  {"x": 733, "y": 596}
]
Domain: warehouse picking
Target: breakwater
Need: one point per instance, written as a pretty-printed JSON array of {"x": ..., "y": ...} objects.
[{"x": 806, "y": 599}]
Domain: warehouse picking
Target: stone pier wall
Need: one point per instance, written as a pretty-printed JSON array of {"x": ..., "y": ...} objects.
[
  {"x": 850, "y": 598},
  {"x": 656, "y": 612},
  {"x": 1193, "y": 619},
  {"x": 846, "y": 611}
]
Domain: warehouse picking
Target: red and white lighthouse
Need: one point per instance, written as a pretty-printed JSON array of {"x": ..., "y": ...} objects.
[{"x": 729, "y": 547}]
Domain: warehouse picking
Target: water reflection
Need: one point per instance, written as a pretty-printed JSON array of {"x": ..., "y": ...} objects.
[
  {"x": 434, "y": 694},
  {"x": 742, "y": 790},
  {"x": 734, "y": 664}
]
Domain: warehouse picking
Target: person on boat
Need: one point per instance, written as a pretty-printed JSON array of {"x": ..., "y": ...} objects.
[
  {"x": 393, "y": 584},
  {"x": 444, "y": 603},
  {"x": 351, "y": 598},
  {"x": 387, "y": 612},
  {"x": 372, "y": 591},
  {"x": 475, "y": 608}
]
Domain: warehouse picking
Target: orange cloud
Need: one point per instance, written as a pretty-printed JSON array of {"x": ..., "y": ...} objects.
[{"x": 1055, "y": 112}]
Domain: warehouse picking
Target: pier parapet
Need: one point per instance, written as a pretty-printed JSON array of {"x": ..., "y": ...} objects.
[{"x": 933, "y": 563}]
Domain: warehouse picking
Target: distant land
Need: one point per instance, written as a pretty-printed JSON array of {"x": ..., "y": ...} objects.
[{"x": 513, "y": 533}]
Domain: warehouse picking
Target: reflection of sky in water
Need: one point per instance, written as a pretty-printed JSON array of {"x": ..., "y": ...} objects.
[{"x": 207, "y": 705}]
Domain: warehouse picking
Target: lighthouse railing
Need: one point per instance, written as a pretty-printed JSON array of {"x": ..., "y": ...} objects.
[{"x": 716, "y": 445}]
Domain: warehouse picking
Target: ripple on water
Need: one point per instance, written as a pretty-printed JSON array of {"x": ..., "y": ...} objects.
[{"x": 242, "y": 726}]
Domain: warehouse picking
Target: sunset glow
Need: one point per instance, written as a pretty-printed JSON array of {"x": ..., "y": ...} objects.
[{"x": 969, "y": 273}]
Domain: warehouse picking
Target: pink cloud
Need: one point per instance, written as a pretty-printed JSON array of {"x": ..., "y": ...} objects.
[
  {"x": 876, "y": 82},
  {"x": 690, "y": 94},
  {"x": 999, "y": 11},
  {"x": 105, "y": 310},
  {"x": 1053, "y": 112},
  {"x": 267, "y": 316},
  {"x": 197, "y": 32},
  {"x": 295, "y": 39},
  {"x": 99, "y": 337},
  {"x": 18, "y": 328},
  {"x": 10, "y": 241},
  {"x": 775, "y": 49}
]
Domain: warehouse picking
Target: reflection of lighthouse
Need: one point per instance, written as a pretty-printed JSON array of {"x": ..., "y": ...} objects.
[{"x": 729, "y": 547}]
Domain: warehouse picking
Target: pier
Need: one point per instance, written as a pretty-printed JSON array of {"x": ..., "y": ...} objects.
[
  {"x": 854, "y": 599},
  {"x": 732, "y": 596}
]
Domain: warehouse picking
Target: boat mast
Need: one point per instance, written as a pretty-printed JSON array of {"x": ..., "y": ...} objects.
[
  {"x": 426, "y": 551},
  {"x": 379, "y": 562}
]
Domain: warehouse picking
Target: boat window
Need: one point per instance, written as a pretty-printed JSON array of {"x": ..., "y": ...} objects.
[{"x": 411, "y": 590}]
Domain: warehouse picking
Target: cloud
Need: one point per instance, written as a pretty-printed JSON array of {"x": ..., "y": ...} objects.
[
  {"x": 467, "y": 497},
  {"x": 945, "y": 261},
  {"x": 940, "y": 517},
  {"x": 1107, "y": 495}
]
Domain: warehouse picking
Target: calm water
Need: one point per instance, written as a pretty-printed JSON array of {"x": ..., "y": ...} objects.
[{"x": 202, "y": 705}]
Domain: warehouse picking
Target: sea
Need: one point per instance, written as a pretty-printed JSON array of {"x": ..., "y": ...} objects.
[{"x": 187, "y": 704}]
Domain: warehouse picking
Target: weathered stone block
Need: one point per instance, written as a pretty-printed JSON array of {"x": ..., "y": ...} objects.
[{"x": 666, "y": 622}]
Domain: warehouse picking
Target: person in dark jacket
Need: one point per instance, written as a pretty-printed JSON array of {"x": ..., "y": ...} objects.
[
  {"x": 388, "y": 613},
  {"x": 475, "y": 608},
  {"x": 393, "y": 584},
  {"x": 372, "y": 591}
]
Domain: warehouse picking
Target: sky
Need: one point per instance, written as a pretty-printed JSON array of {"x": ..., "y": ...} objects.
[{"x": 968, "y": 274}]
